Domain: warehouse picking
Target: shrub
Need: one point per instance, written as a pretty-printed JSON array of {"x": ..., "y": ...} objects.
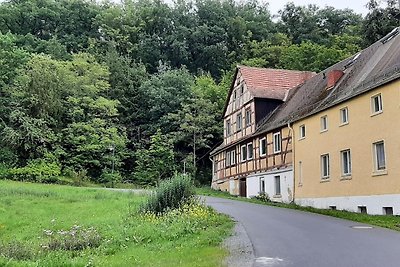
[
  {"x": 15, "y": 250},
  {"x": 170, "y": 194},
  {"x": 36, "y": 171},
  {"x": 263, "y": 197}
]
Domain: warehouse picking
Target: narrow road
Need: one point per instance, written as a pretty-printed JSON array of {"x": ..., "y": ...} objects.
[{"x": 284, "y": 237}]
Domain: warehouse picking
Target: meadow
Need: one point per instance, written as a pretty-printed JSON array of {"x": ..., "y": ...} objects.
[{"x": 54, "y": 225}]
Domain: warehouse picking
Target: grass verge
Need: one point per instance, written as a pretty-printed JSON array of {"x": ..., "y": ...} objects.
[
  {"x": 53, "y": 225},
  {"x": 386, "y": 221}
]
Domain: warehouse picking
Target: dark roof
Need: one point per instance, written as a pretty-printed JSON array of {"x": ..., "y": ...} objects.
[
  {"x": 269, "y": 83},
  {"x": 372, "y": 67}
]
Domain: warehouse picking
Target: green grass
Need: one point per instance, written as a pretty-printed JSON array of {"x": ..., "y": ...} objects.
[
  {"x": 386, "y": 221},
  {"x": 110, "y": 231}
]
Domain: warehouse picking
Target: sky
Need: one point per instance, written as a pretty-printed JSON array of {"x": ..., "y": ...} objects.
[{"x": 357, "y": 5}]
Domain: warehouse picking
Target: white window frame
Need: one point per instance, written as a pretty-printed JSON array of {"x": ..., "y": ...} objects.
[
  {"x": 375, "y": 152},
  {"x": 227, "y": 158},
  {"x": 264, "y": 139},
  {"x": 323, "y": 175},
  {"x": 247, "y": 117},
  {"x": 228, "y": 127},
  {"x": 239, "y": 122},
  {"x": 344, "y": 119},
  {"x": 277, "y": 178},
  {"x": 344, "y": 164},
  {"x": 233, "y": 157},
  {"x": 262, "y": 185},
  {"x": 243, "y": 154},
  {"x": 250, "y": 151},
  {"x": 277, "y": 135},
  {"x": 373, "y": 104},
  {"x": 324, "y": 123},
  {"x": 302, "y": 131}
]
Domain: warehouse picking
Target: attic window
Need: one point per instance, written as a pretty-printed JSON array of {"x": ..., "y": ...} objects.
[{"x": 242, "y": 89}]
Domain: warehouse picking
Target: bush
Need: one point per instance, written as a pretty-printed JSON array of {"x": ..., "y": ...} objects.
[
  {"x": 15, "y": 250},
  {"x": 170, "y": 194},
  {"x": 36, "y": 171}
]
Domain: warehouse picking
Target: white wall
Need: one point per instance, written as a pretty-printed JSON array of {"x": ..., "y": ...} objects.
[
  {"x": 374, "y": 203},
  {"x": 286, "y": 176}
]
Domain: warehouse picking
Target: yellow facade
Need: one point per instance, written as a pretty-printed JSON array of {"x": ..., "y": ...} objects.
[{"x": 360, "y": 133}]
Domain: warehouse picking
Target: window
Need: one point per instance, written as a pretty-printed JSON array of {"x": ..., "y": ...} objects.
[
  {"x": 332, "y": 207},
  {"x": 277, "y": 185},
  {"x": 228, "y": 127},
  {"x": 362, "y": 209},
  {"x": 234, "y": 95},
  {"x": 227, "y": 159},
  {"x": 346, "y": 162},
  {"x": 277, "y": 142},
  {"x": 263, "y": 146},
  {"x": 233, "y": 157},
  {"x": 324, "y": 123},
  {"x": 239, "y": 122},
  {"x": 388, "y": 210},
  {"x": 250, "y": 151},
  {"x": 244, "y": 152},
  {"x": 262, "y": 185},
  {"x": 379, "y": 156},
  {"x": 376, "y": 104},
  {"x": 241, "y": 89},
  {"x": 248, "y": 117},
  {"x": 325, "y": 166},
  {"x": 344, "y": 116},
  {"x": 302, "y": 130}
]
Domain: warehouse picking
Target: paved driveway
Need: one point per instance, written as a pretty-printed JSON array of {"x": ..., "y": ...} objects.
[{"x": 284, "y": 237}]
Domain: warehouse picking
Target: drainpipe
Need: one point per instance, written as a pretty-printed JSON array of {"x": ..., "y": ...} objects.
[
  {"x": 213, "y": 171},
  {"x": 293, "y": 161}
]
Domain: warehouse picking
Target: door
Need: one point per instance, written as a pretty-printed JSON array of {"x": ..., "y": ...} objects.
[{"x": 242, "y": 188}]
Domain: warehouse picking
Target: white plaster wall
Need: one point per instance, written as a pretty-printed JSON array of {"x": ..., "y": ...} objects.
[
  {"x": 253, "y": 185},
  {"x": 374, "y": 203}
]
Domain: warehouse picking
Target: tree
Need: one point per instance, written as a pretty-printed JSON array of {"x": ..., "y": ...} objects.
[{"x": 156, "y": 162}]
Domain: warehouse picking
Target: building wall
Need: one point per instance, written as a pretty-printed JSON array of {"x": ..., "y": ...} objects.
[
  {"x": 362, "y": 130},
  {"x": 286, "y": 184}
]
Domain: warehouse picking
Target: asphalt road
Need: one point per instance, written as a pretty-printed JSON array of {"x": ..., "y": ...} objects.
[{"x": 284, "y": 237}]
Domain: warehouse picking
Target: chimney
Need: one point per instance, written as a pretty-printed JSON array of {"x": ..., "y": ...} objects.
[{"x": 333, "y": 77}]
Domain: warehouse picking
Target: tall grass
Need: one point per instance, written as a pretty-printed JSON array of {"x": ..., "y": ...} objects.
[{"x": 170, "y": 194}]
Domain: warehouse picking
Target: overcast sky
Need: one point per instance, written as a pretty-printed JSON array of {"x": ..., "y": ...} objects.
[{"x": 357, "y": 5}]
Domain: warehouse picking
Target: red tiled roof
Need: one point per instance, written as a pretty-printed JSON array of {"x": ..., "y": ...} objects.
[{"x": 272, "y": 83}]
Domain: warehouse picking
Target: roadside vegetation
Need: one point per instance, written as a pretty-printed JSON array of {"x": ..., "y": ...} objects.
[
  {"x": 386, "y": 221},
  {"x": 54, "y": 225}
]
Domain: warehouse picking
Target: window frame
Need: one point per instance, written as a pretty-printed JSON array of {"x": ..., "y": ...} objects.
[
  {"x": 280, "y": 142},
  {"x": 380, "y": 104},
  {"x": 302, "y": 132},
  {"x": 247, "y": 117},
  {"x": 262, "y": 182},
  {"x": 264, "y": 139},
  {"x": 228, "y": 127},
  {"x": 327, "y": 166},
  {"x": 344, "y": 164},
  {"x": 243, "y": 153},
  {"x": 277, "y": 178},
  {"x": 346, "y": 111},
  {"x": 233, "y": 157},
  {"x": 375, "y": 156},
  {"x": 227, "y": 159},
  {"x": 239, "y": 122},
  {"x": 324, "y": 123},
  {"x": 248, "y": 151}
]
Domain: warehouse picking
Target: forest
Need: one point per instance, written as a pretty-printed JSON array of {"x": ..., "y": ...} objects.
[{"x": 134, "y": 91}]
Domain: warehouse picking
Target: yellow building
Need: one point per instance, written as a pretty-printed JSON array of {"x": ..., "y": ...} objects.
[{"x": 347, "y": 144}]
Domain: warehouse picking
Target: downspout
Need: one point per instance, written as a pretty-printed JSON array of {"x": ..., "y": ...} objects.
[
  {"x": 293, "y": 161},
  {"x": 213, "y": 171}
]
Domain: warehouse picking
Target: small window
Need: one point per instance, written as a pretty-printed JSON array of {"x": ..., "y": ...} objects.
[
  {"x": 262, "y": 185},
  {"x": 346, "y": 162},
  {"x": 233, "y": 157},
  {"x": 325, "y": 166},
  {"x": 376, "y": 104},
  {"x": 228, "y": 127},
  {"x": 242, "y": 89},
  {"x": 388, "y": 210},
  {"x": 227, "y": 159},
  {"x": 239, "y": 122},
  {"x": 277, "y": 185},
  {"x": 244, "y": 153},
  {"x": 324, "y": 123},
  {"x": 302, "y": 130},
  {"x": 379, "y": 156},
  {"x": 250, "y": 151},
  {"x": 344, "y": 116},
  {"x": 362, "y": 209},
  {"x": 263, "y": 146},
  {"x": 234, "y": 94},
  {"x": 332, "y": 207},
  {"x": 248, "y": 117},
  {"x": 277, "y": 142}
]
